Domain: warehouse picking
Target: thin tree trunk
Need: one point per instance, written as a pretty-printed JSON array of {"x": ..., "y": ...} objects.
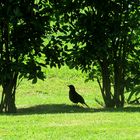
[
  {"x": 106, "y": 85},
  {"x": 118, "y": 83}
]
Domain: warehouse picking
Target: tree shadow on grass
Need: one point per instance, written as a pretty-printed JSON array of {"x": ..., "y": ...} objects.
[
  {"x": 53, "y": 109},
  {"x": 125, "y": 109},
  {"x": 64, "y": 108}
]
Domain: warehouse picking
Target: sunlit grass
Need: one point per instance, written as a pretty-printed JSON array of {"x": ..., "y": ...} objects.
[
  {"x": 77, "y": 126},
  {"x": 54, "y": 89}
]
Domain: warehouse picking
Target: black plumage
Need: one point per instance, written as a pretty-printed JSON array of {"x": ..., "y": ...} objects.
[{"x": 75, "y": 97}]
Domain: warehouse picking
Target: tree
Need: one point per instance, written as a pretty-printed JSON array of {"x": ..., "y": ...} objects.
[
  {"x": 23, "y": 27},
  {"x": 103, "y": 36},
  {"x": 133, "y": 80}
]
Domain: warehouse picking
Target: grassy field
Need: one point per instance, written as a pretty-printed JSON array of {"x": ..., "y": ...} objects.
[{"x": 45, "y": 112}]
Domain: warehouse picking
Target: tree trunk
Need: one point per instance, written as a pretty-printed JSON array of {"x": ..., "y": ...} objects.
[
  {"x": 106, "y": 85},
  {"x": 8, "y": 95},
  {"x": 117, "y": 98}
]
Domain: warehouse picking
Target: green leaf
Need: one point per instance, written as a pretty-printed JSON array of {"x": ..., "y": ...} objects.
[{"x": 34, "y": 81}]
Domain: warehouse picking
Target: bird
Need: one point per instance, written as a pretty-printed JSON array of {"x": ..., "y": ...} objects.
[{"x": 75, "y": 97}]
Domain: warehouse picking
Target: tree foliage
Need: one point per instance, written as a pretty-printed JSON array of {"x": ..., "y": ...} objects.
[{"x": 105, "y": 40}]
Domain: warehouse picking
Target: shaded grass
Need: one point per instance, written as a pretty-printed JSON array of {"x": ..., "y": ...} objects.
[
  {"x": 53, "y": 109},
  {"x": 63, "y": 108}
]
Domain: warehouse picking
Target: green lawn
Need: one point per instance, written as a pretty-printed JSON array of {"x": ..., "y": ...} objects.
[{"x": 45, "y": 112}]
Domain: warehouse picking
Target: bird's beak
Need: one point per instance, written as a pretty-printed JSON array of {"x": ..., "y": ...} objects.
[{"x": 68, "y": 85}]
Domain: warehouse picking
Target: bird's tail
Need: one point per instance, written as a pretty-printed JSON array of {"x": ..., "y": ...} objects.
[{"x": 86, "y": 105}]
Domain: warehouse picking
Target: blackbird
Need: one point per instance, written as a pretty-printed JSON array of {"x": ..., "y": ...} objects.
[{"x": 75, "y": 97}]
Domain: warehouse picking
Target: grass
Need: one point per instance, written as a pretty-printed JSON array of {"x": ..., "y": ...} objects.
[{"x": 45, "y": 112}]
